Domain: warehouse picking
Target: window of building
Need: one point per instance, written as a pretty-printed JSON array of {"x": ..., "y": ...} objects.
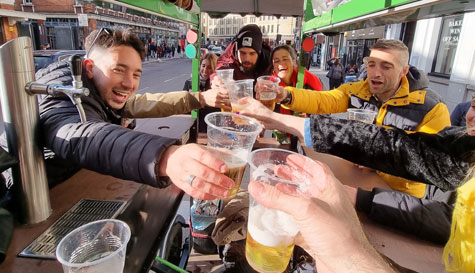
[
  {"x": 244, "y": 20},
  {"x": 253, "y": 19},
  {"x": 284, "y": 17},
  {"x": 228, "y": 30},
  {"x": 2, "y": 37},
  {"x": 447, "y": 46},
  {"x": 272, "y": 29},
  {"x": 27, "y": 2}
]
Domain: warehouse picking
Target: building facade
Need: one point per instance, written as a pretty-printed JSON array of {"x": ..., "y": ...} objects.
[
  {"x": 274, "y": 30},
  {"x": 63, "y": 24},
  {"x": 444, "y": 48}
]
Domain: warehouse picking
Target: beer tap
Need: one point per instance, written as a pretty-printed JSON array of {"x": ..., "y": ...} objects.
[{"x": 74, "y": 92}]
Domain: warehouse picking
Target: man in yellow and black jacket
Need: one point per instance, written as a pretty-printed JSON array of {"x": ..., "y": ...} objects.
[
  {"x": 393, "y": 89},
  {"x": 400, "y": 95}
]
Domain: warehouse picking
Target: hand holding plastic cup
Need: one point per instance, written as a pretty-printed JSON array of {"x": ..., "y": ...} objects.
[
  {"x": 271, "y": 232},
  {"x": 96, "y": 247},
  {"x": 231, "y": 138},
  {"x": 241, "y": 89},
  {"x": 266, "y": 90},
  {"x": 363, "y": 115}
]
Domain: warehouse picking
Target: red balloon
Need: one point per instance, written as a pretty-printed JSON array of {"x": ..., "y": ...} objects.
[{"x": 308, "y": 44}]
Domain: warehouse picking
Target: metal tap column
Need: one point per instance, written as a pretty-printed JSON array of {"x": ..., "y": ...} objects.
[{"x": 20, "y": 114}]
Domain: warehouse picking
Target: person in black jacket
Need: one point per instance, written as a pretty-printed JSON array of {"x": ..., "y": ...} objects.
[
  {"x": 442, "y": 160},
  {"x": 336, "y": 73},
  {"x": 112, "y": 73}
]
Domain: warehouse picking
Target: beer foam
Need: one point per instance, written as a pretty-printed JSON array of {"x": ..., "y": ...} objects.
[{"x": 271, "y": 227}]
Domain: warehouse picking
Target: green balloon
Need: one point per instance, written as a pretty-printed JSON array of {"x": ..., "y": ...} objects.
[{"x": 190, "y": 51}]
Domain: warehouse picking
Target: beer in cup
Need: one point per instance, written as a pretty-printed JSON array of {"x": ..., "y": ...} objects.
[
  {"x": 241, "y": 89},
  {"x": 270, "y": 232},
  {"x": 226, "y": 75},
  {"x": 364, "y": 115},
  {"x": 266, "y": 88},
  {"x": 231, "y": 138}
]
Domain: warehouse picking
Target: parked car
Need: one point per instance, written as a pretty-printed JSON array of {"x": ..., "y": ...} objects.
[
  {"x": 203, "y": 51},
  {"x": 217, "y": 50},
  {"x": 43, "y": 58}
]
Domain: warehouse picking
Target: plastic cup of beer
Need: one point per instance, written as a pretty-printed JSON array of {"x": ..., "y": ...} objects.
[
  {"x": 363, "y": 115},
  {"x": 266, "y": 87},
  {"x": 271, "y": 233},
  {"x": 225, "y": 74},
  {"x": 231, "y": 138},
  {"x": 95, "y": 247},
  {"x": 241, "y": 89}
]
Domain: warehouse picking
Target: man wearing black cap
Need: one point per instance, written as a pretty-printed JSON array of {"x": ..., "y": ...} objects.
[{"x": 247, "y": 55}]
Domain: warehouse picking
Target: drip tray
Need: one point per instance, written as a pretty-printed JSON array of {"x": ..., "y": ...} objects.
[{"x": 85, "y": 211}]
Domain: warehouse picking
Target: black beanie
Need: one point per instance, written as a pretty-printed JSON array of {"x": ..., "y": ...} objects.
[{"x": 250, "y": 36}]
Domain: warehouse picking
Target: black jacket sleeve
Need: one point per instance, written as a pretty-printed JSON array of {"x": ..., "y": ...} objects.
[
  {"x": 427, "y": 219},
  {"x": 442, "y": 159},
  {"x": 99, "y": 145}
]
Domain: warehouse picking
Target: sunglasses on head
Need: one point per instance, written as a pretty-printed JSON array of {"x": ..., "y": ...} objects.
[{"x": 107, "y": 31}]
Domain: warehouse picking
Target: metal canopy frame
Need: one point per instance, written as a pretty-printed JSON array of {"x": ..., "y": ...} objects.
[{"x": 359, "y": 14}]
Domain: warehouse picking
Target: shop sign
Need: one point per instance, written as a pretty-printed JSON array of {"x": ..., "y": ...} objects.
[
  {"x": 453, "y": 31},
  {"x": 82, "y": 19},
  {"x": 367, "y": 33}
]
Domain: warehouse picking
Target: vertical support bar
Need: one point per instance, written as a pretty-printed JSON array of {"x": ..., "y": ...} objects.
[
  {"x": 195, "y": 78},
  {"x": 301, "y": 70},
  {"x": 20, "y": 114}
]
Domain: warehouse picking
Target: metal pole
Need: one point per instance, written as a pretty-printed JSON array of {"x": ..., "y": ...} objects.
[{"x": 20, "y": 114}]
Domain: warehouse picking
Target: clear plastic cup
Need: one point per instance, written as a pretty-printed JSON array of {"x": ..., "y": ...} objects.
[
  {"x": 231, "y": 138},
  {"x": 271, "y": 233},
  {"x": 225, "y": 74},
  {"x": 96, "y": 247},
  {"x": 266, "y": 88},
  {"x": 363, "y": 115},
  {"x": 241, "y": 89}
]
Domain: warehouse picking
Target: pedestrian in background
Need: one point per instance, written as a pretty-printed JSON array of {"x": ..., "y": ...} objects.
[{"x": 336, "y": 73}]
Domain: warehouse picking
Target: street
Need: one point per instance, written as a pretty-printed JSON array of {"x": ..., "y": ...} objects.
[{"x": 162, "y": 77}]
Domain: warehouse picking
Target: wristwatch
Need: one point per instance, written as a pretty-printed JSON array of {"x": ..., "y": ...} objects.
[{"x": 288, "y": 99}]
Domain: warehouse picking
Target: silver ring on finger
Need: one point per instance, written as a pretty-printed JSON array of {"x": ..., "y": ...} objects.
[{"x": 190, "y": 179}]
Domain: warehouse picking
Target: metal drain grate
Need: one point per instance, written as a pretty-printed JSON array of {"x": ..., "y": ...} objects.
[{"x": 83, "y": 212}]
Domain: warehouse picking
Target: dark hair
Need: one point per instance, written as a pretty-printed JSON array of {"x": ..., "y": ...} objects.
[
  {"x": 289, "y": 49},
  {"x": 113, "y": 38}
]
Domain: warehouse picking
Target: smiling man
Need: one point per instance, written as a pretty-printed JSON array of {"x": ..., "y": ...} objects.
[
  {"x": 247, "y": 55},
  {"x": 397, "y": 92},
  {"x": 112, "y": 73}
]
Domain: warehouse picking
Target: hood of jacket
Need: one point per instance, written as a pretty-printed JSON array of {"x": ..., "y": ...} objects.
[{"x": 417, "y": 79}]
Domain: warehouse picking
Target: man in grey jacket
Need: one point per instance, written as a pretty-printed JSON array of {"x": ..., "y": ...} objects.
[{"x": 112, "y": 73}]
